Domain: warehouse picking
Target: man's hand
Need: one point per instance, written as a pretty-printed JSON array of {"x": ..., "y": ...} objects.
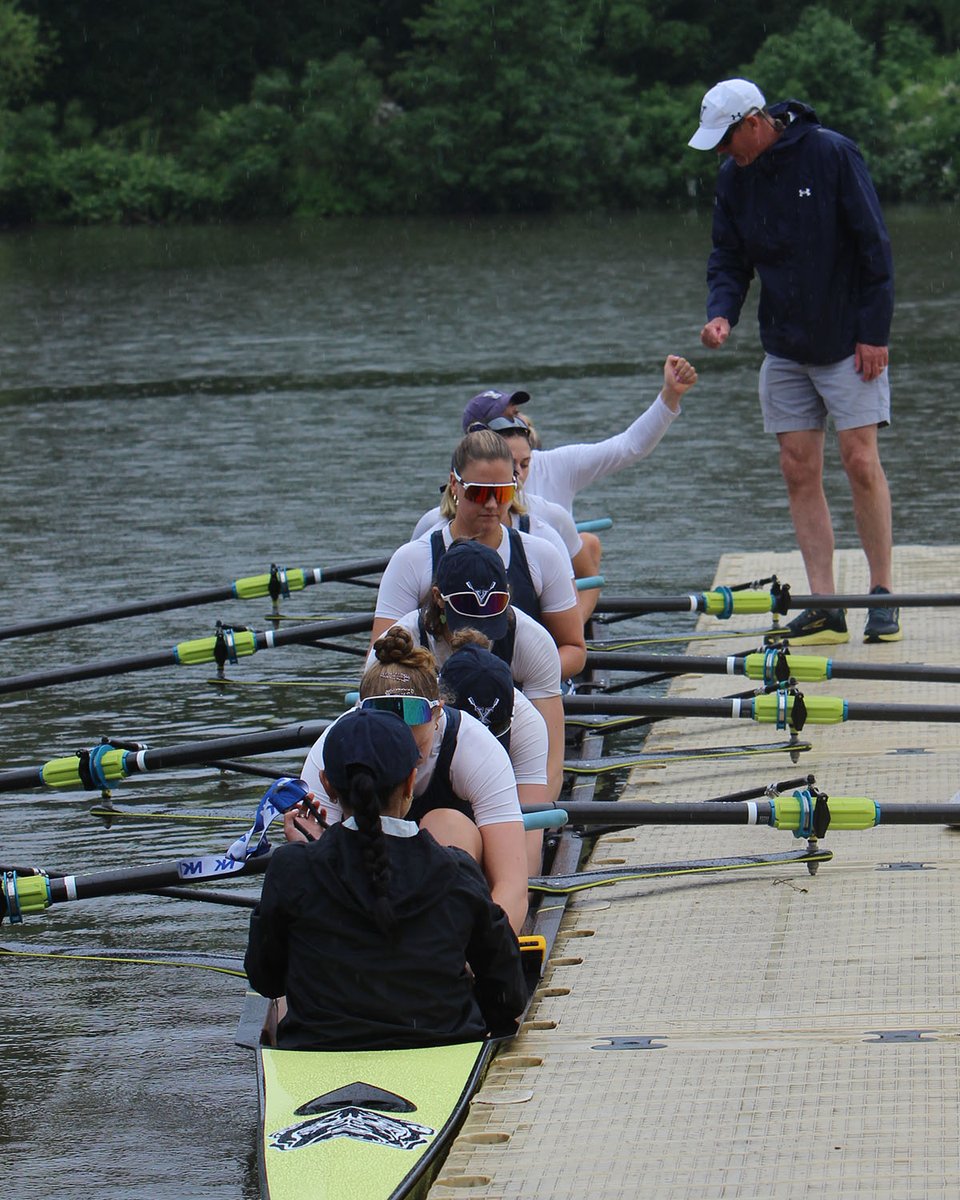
[
  {"x": 870, "y": 361},
  {"x": 715, "y": 332},
  {"x": 678, "y": 377}
]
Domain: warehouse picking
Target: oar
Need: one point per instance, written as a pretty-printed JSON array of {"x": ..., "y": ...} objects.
[
  {"x": 227, "y": 645},
  {"x": 21, "y": 895},
  {"x": 222, "y": 964},
  {"x": 772, "y": 666},
  {"x": 778, "y": 708},
  {"x": 97, "y": 769},
  {"x": 725, "y": 602},
  {"x": 278, "y": 582},
  {"x": 794, "y": 813},
  {"x": 231, "y": 899},
  {"x": 663, "y": 758}
]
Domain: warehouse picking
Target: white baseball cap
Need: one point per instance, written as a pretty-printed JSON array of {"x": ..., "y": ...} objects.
[{"x": 725, "y": 104}]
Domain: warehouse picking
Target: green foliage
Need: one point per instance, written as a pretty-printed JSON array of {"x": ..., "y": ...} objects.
[
  {"x": 923, "y": 154},
  {"x": 245, "y": 154},
  {"x": 504, "y": 108},
  {"x": 27, "y": 146},
  {"x": 825, "y": 62},
  {"x": 342, "y": 145},
  {"x": 204, "y": 109},
  {"x": 23, "y": 55}
]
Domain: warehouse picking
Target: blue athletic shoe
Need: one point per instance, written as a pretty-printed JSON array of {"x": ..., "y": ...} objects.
[
  {"x": 883, "y": 624},
  {"x": 817, "y": 627}
]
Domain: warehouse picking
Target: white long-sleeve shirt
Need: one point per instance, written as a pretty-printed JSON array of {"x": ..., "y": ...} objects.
[{"x": 559, "y": 474}]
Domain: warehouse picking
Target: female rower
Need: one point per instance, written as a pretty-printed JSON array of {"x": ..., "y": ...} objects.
[
  {"x": 482, "y": 485},
  {"x": 476, "y": 681},
  {"x": 531, "y": 513},
  {"x": 471, "y": 591},
  {"x": 367, "y": 931},
  {"x": 465, "y": 791},
  {"x": 562, "y": 473}
]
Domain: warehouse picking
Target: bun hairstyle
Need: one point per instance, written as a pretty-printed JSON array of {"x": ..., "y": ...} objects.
[{"x": 402, "y": 668}]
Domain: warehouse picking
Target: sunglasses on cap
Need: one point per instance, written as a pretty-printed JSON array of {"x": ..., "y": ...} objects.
[
  {"x": 478, "y": 604},
  {"x": 480, "y": 493},
  {"x": 412, "y": 710}
]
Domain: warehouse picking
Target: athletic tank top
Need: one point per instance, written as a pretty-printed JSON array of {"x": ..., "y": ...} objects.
[{"x": 440, "y": 793}]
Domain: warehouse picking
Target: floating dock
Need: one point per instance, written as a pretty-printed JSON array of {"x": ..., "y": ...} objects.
[{"x": 756, "y": 1035}]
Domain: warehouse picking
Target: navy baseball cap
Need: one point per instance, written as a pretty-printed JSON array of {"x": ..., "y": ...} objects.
[
  {"x": 379, "y": 741},
  {"x": 473, "y": 581},
  {"x": 480, "y": 683},
  {"x": 483, "y": 408}
]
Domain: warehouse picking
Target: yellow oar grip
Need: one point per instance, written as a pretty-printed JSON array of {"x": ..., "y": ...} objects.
[
  {"x": 252, "y": 587},
  {"x": 805, "y": 668},
  {"x": 65, "y": 772},
  {"x": 821, "y": 710},
  {"x": 846, "y": 812},
  {"x": 201, "y": 650}
]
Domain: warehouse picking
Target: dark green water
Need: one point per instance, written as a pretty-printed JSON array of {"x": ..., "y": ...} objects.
[{"x": 184, "y": 407}]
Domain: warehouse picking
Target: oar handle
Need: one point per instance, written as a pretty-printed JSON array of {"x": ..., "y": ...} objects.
[
  {"x": 589, "y": 581},
  {"x": 548, "y": 818},
  {"x": 595, "y": 526}
]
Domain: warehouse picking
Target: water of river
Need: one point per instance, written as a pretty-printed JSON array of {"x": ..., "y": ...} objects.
[{"x": 183, "y": 407}]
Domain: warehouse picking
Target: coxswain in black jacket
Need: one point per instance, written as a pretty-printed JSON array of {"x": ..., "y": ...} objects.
[{"x": 313, "y": 938}]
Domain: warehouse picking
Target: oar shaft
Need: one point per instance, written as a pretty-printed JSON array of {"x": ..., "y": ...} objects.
[
  {"x": 820, "y": 710},
  {"x": 200, "y": 650},
  {"x": 805, "y": 668},
  {"x": 119, "y": 764},
  {"x": 759, "y": 812},
  {"x": 249, "y": 588},
  {"x": 724, "y": 602}
]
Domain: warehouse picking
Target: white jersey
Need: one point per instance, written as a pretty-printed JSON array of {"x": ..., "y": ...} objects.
[
  {"x": 560, "y": 474},
  {"x": 406, "y": 582},
  {"x": 536, "y": 660},
  {"x": 545, "y": 516},
  {"x": 481, "y": 773}
]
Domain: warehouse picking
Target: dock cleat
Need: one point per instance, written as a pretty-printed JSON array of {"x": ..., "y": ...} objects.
[
  {"x": 816, "y": 627},
  {"x": 883, "y": 624}
]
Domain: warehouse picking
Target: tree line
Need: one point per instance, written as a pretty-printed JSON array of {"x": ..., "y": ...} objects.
[{"x": 197, "y": 110}]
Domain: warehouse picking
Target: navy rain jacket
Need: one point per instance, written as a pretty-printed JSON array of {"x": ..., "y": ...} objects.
[{"x": 805, "y": 217}]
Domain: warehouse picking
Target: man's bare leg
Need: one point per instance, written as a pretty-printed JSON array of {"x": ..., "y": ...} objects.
[
  {"x": 872, "y": 508},
  {"x": 801, "y": 463}
]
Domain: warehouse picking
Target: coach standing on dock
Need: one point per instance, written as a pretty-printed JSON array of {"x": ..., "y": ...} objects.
[{"x": 796, "y": 204}]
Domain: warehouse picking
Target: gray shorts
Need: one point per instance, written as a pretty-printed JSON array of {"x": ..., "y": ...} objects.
[{"x": 796, "y": 396}]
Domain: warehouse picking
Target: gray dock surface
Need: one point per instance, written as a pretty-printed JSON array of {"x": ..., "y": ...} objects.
[{"x": 764, "y": 1034}]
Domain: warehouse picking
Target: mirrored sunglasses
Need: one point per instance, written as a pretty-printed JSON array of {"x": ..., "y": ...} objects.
[
  {"x": 480, "y": 493},
  {"x": 470, "y": 604},
  {"x": 413, "y": 710}
]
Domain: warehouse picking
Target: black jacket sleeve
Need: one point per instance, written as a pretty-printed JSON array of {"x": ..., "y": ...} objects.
[
  {"x": 265, "y": 961},
  {"x": 494, "y": 957}
]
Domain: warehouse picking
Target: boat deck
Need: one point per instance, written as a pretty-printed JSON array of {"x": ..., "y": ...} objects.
[{"x": 760, "y": 1034}]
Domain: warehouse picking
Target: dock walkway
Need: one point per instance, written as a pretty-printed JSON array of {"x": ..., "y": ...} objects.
[{"x": 762, "y": 1034}]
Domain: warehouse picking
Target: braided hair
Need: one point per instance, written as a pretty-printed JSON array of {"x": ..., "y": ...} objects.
[{"x": 366, "y": 803}]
